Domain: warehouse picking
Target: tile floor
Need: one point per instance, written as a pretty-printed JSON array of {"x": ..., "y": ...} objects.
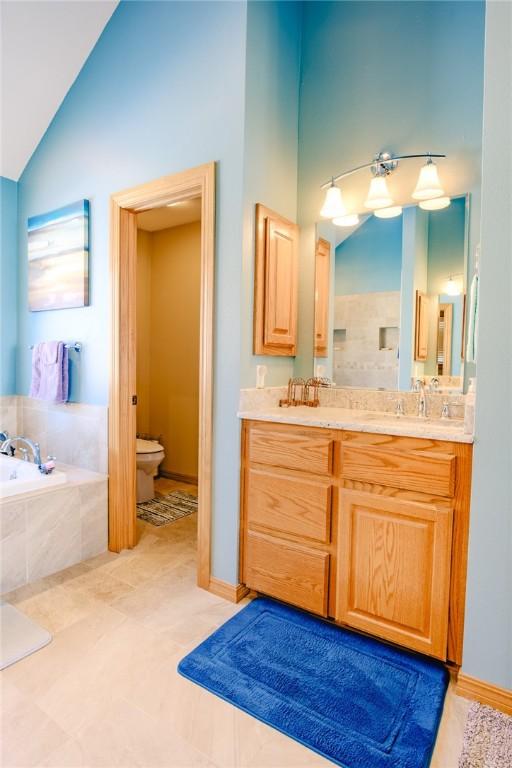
[{"x": 106, "y": 692}]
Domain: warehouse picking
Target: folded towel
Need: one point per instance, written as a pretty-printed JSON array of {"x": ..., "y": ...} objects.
[
  {"x": 472, "y": 345},
  {"x": 50, "y": 379}
]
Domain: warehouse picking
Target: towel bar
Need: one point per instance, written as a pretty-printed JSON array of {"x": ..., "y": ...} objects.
[{"x": 77, "y": 346}]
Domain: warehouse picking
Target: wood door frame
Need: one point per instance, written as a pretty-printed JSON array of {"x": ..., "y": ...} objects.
[{"x": 124, "y": 206}]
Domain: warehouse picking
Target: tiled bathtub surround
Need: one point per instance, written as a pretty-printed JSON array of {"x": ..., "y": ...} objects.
[
  {"x": 75, "y": 433},
  {"x": 357, "y": 399},
  {"x": 42, "y": 533},
  {"x": 9, "y": 407}
]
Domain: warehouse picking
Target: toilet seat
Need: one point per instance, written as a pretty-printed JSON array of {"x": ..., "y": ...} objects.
[{"x": 148, "y": 446}]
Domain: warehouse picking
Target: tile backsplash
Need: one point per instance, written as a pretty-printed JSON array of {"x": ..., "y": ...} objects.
[{"x": 75, "y": 433}]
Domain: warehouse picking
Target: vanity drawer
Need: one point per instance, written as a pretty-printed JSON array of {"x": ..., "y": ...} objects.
[
  {"x": 299, "y": 449},
  {"x": 427, "y": 471},
  {"x": 294, "y": 506},
  {"x": 287, "y": 571}
]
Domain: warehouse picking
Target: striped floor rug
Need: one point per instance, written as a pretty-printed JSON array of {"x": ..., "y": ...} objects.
[{"x": 166, "y": 509}]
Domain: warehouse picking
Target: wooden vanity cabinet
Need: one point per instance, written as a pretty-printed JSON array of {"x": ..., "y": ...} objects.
[{"x": 368, "y": 529}]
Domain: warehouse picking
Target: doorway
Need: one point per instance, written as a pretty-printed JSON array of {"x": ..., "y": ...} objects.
[{"x": 125, "y": 206}]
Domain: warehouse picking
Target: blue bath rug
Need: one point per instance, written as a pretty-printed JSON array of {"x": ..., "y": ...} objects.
[{"x": 352, "y": 699}]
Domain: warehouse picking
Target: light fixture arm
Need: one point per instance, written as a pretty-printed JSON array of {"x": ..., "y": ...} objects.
[{"x": 382, "y": 165}]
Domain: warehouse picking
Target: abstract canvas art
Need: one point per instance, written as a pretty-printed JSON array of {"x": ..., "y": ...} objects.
[{"x": 58, "y": 258}]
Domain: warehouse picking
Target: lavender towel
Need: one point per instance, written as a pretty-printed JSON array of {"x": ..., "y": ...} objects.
[{"x": 50, "y": 380}]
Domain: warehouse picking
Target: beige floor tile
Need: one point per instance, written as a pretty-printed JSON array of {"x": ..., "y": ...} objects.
[
  {"x": 58, "y": 607},
  {"x": 36, "y": 674},
  {"x": 451, "y": 731},
  {"x": 28, "y": 735},
  {"x": 129, "y": 737}
]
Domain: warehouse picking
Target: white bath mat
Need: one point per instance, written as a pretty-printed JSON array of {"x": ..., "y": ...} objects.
[{"x": 20, "y": 636}]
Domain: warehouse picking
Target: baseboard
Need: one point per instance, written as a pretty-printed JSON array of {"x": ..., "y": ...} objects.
[
  {"x": 228, "y": 591},
  {"x": 470, "y": 688},
  {"x": 192, "y": 479}
]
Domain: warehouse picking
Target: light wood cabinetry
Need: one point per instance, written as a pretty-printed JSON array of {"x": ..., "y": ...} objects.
[
  {"x": 322, "y": 286},
  {"x": 421, "y": 326},
  {"x": 394, "y": 569},
  {"x": 368, "y": 529},
  {"x": 275, "y": 284}
]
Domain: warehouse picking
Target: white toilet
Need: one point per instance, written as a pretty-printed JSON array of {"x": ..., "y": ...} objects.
[{"x": 150, "y": 455}]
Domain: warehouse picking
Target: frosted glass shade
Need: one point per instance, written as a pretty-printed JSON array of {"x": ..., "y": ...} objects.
[
  {"x": 428, "y": 184},
  {"x": 388, "y": 213},
  {"x": 378, "y": 194},
  {"x": 350, "y": 220},
  {"x": 435, "y": 204},
  {"x": 333, "y": 206}
]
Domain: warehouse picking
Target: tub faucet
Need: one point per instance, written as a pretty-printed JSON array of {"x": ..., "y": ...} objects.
[{"x": 34, "y": 447}]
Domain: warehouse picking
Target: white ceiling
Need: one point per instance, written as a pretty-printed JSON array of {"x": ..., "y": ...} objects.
[
  {"x": 44, "y": 45},
  {"x": 170, "y": 216}
]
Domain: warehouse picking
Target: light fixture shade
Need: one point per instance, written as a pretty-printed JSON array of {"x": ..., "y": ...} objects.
[
  {"x": 350, "y": 220},
  {"x": 452, "y": 287},
  {"x": 378, "y": 194},
  {"x": 388, "y": 213},
  {"x": 333, "y": 206},
  {"x": 435, "y": 204},
  {"x": 428, "y": 184}
]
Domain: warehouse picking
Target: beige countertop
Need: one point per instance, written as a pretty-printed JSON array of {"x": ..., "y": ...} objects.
[{"x": 363, "y": 421}]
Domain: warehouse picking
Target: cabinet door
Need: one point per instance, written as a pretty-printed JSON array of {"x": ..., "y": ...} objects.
[
  {"x": 275, "y": 298},
  {"x": 393, "y": 576},
  {"x": 322, "y": 284}
]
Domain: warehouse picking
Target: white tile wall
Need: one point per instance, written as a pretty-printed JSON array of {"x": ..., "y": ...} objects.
[
  {"x": 44, "y": 533},
  {"x": 75, "y": 433}
]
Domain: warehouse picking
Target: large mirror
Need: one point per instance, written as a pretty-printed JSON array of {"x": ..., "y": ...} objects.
[{"x": 390, "y": 299}]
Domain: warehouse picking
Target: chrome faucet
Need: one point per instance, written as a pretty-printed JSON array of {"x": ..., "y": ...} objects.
[
  {"x": 34, "y": 447},
  {"x": 419, "y": 386}
]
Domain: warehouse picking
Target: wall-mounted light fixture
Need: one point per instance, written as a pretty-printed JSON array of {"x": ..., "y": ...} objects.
[{"x": 428, "y": 190}]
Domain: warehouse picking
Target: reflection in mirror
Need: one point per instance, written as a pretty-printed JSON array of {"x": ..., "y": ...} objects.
[{"x": 390, "y": 299}]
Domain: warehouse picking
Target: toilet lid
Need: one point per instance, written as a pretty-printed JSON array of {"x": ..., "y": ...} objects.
[{"x": 148, "y": 446}]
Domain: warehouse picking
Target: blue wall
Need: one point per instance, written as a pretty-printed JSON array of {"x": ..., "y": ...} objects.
[
  {"x": 8, "y": 285},
  {"x": 271, "y": 149},
  {"x": 488, "y": 631},
  {"x": 446, "y": 240},
  {"x": 162, "y": 91},
  {"x": 371, "y": 258}
]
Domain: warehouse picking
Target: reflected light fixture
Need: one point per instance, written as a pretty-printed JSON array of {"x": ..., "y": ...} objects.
[
  {"x": 388, "y": 213},
  {"x": 428, "y": 184},
  {"x": 178, "y": 202},
  {"x": 452, "y": 287},
  {"x": 333, "y": 206},
  {"x": 436, "y": 204},
  {"x": 350, "y": 220}
]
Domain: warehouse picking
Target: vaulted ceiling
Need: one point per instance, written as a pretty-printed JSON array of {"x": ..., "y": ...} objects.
[{"x": 44, "y": 45}]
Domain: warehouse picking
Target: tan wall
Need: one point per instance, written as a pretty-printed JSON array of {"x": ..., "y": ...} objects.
[
  {"x": 144, "y": 245},
  {"x": 169, "y": 395}
]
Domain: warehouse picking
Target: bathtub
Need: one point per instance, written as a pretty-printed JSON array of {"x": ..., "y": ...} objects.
[{"x": 17, "y": 476}]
